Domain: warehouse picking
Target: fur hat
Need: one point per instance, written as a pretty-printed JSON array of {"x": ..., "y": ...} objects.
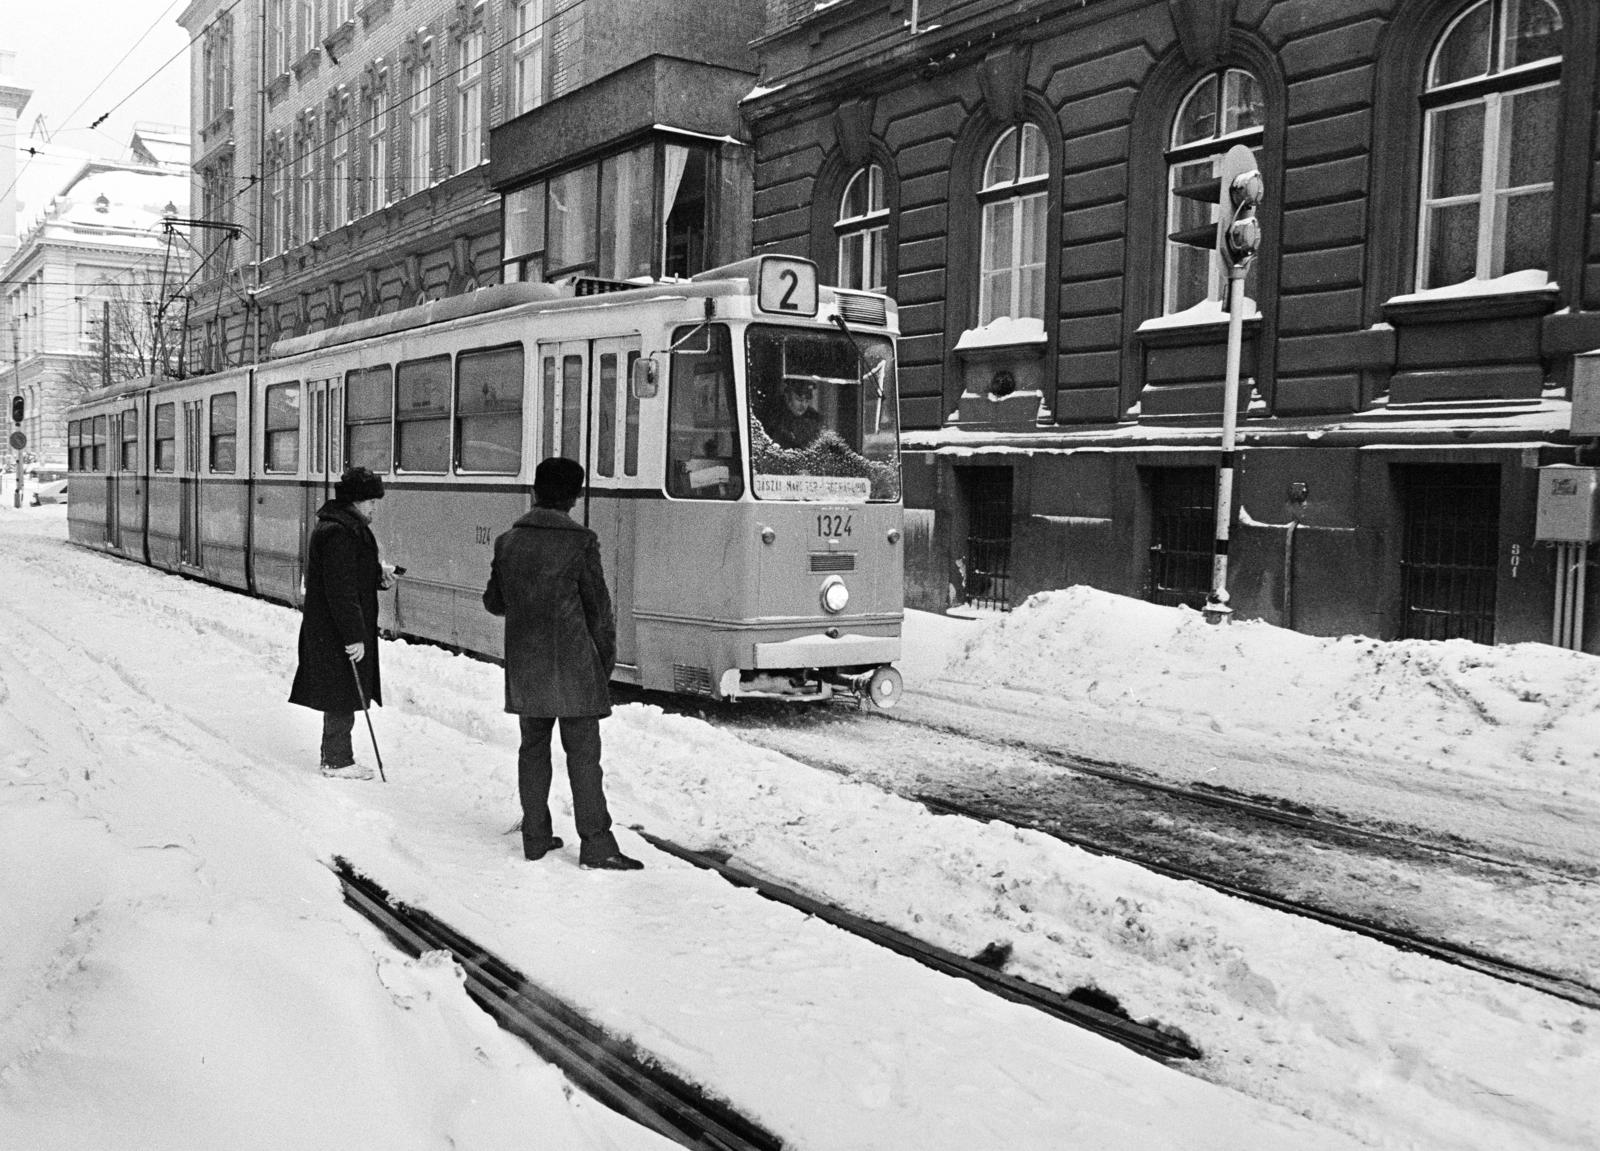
[
  {"x": 557, "y": 480},
  {"x": 358, "y": 484}
]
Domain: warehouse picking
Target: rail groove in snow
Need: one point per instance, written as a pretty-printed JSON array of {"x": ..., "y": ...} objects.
[
  {"x": 1144, "y": 1038},
  {"x": 607, "y": 1068}
]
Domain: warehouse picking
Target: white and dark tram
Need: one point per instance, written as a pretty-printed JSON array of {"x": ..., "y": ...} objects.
[{"x": 738, "y": 567}]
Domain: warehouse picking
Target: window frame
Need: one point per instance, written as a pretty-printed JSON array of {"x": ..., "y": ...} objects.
[
  {"x": 404, "y": 370},
  {"x": 510, "y": 416},
  {"x": 164, "y": 458},
  {"x": 471, "y": 83},
  {"x": 419, "y": 122},
  {"x": 1493, "y": 89},
  {"x": 216, "y": 439},
  {"x": 275, "y": 434},
  {"x": 871, "y": 227},
  {"x": 1020, "y": 192},
  {"x": 1180, "y": 154},
  {"x": 355, "y": 383}
]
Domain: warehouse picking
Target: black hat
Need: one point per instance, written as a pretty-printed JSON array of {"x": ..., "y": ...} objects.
[
  {"x": 557, "y": 480},
  {"x": 358, "y": 484}
]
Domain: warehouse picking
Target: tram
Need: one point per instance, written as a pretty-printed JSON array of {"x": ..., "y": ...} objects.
[{"x": 742, "y": 562}]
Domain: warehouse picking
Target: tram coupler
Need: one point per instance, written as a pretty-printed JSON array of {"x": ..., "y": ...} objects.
[{"x": 879, "y": 686}]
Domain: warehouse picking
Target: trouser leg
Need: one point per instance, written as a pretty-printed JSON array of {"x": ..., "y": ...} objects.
[
  {"x": 533, "y": 779},
  {"x": 336, "y": 729},
  {"x": 580, "y": 739}
]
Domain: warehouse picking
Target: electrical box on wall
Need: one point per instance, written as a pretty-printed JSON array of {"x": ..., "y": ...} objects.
[
  {"x": 1586, "y": 394},
  {"x": 1569, "y": 510}
]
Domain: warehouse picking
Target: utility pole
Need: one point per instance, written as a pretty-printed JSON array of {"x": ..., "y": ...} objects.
[{"x": 19, "y": 439}]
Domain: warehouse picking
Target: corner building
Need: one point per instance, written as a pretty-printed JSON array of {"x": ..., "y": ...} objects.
[
  {"x": 343, "y": 152},
  {"x": 1417, "y": 326}
]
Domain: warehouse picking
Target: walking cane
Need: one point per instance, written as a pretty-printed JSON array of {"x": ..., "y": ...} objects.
[{"x": 362, "y": 692}]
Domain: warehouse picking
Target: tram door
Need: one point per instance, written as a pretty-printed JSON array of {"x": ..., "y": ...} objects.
[
  {"x": 563, "y": 371},
  {"x": 613, "y": 463},
  {"x": 114, "y": 466},
  {"x": 189, "y": 548},
  {"x": 324, "y": 421}
]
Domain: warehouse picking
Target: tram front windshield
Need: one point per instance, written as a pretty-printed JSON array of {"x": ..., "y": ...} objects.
[{"x": 824, "y": 415}]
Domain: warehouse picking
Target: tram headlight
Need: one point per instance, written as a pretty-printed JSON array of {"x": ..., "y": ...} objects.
[{"x": 835, "y": 596}]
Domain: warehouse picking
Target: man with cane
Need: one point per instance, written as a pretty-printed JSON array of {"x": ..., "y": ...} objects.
[{"x": 338, "y": 667}]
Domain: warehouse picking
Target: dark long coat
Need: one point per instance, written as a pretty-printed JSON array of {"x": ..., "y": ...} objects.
[
  {"x": 561, "y": 637},
  {"x": 342, "y": 577}
]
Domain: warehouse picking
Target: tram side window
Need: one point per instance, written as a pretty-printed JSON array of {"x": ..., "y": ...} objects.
[
  {"x": 703, "y": 460},
  {"x": 130, "y": 440},
  {"x": 605, "y": 460},
  {"x": 630, "y": 431},
  {"x": 282, "y": 444},
  {"x": 422, "y": 415},
  {"x": 166, "y": 437},
  {"x": 74, "y": 445},
  {"x": 98, "y": 442},
  {"x": 489, "y": 411},
  {"x": 571, "y": 405},
  {"x": 224, "y": 441},
  {"x": 368, "y": 401}
]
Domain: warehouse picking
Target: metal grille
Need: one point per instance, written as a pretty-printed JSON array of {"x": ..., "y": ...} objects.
[
  {"x": 833, "y": 561},
  {"x": 856, "y": 309},
  {"x": 688, "y": 680},
  {"x": 1183, "y": 507},
  {"x": 1452, "y": 543},
  {"x": 988, "y": 492}
]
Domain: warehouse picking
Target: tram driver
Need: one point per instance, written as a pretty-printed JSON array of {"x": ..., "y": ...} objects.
[{"x": 797, "y": 422}]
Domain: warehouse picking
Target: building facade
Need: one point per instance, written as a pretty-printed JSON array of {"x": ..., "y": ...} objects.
[
  {"x": 92, "y": 291},
  {"x": 343, "y": 150},
  {"x": 1427, "y": 283}
]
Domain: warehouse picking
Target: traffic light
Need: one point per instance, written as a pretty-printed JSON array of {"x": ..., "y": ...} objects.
[
  {"x": 16, "y": 409},
  {"x": 1237, "y": 190}
]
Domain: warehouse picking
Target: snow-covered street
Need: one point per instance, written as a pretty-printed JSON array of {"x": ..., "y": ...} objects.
[{"x": 180, "y": 971}]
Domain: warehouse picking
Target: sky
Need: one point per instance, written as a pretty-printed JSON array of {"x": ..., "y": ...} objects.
[
  {"x": 180, "y": 970},
  {"x": 125, "y": 59}
]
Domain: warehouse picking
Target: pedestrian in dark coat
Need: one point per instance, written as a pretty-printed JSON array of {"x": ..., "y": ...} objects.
[
  {"x": 560, "y": 646},
  {"x": 339, "y": 621}
]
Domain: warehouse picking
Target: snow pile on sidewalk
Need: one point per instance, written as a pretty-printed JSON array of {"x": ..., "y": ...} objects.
[{"x": 1517, "y": 715}]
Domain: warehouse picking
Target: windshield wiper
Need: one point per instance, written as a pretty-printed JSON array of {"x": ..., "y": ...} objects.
[{"x": 876, "y": 371}]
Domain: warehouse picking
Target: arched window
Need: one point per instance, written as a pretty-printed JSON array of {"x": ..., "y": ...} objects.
[
  {"x": 1015, "y": 204},
  {"x": 863, "y": 228},
  {"x": 1220, "y": 111},
  {"x": 1489, "y": 143}
]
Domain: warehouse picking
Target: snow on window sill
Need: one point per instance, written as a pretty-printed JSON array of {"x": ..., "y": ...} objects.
[
  {"x": 1207, "y": 311},
  {"x": 1003, "y": 332},
  {"x": 1528, "y": 292}
]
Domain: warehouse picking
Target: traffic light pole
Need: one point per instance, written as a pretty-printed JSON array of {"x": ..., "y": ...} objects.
[{"x": 1217, "y": 609}]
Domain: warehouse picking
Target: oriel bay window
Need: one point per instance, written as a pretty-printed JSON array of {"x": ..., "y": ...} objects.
[
  {"x": 489, "y": 411},
  {"x": 369, "y": 400},
  {"x": 422, "y": 415},
  {"x": 1489, "y": 143},
  {"x": 640, "y": 213}
]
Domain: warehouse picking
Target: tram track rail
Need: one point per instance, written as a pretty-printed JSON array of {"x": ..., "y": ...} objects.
[
  {"x": 1090, "y": 1011},
  {"x": 607, "y": 1068},
  {"x": 1241, "y": 820}
]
